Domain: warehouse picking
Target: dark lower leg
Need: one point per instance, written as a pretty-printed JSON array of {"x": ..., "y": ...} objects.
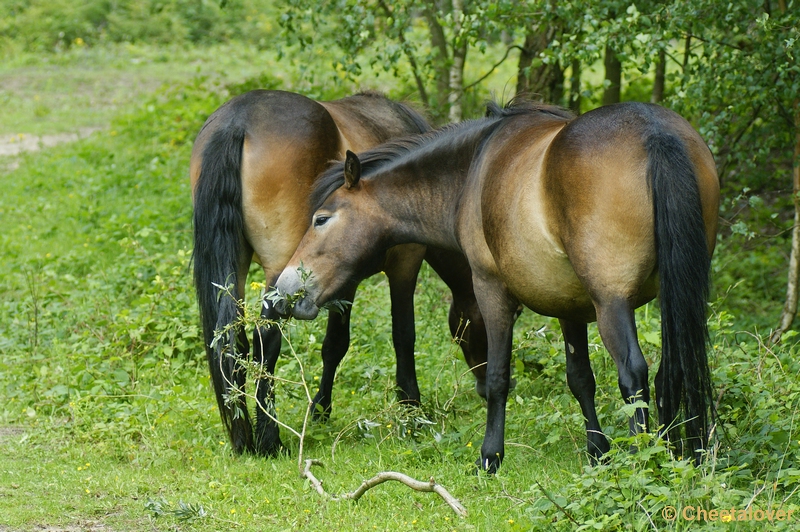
[
  {"x": 580, "y": 379},
  {"x": 404, "y": 336},
  {"x": 266, "y": 349},
  {"x": 499, "y": 313},
  {"x": 618, "y": 330},
  {"x": 334, "y": 347},
  {"x": 498, "y": 380}
]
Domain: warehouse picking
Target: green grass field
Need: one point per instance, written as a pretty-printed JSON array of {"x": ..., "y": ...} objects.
[{"x": 108, "y": 421}]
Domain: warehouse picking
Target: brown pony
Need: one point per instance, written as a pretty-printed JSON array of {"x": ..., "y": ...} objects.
[
  {"x": 582, "y": 219},
  {"x": 253, "y": 166}
]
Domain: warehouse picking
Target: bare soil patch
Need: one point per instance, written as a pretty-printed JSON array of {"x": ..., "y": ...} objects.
[
  {"x": 88, "y": 526},
  {"x": 10, "y": 432},
  {"x": 16, "y": 144}
]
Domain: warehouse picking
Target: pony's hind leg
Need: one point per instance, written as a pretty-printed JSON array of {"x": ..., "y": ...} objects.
[
  {"x": 229, "y": 364},
  {"x": 235, "y": 376},
  {"x": 617, "y": 327},
  {"x": 334, "y": 347},
  {"x": 499, "y": 310},
  {"x": 266, "y": 349},
  {"x": 580, "y": 379}
]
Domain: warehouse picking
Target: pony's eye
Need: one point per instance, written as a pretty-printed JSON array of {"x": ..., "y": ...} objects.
[{"x": 321, "y": 220}]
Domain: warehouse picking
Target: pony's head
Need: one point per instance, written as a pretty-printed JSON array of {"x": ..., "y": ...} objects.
[{"x": 342, "y": 246}]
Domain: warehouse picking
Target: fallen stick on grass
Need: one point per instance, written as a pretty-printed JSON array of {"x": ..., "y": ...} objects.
[{"x": 380, "y": 478}]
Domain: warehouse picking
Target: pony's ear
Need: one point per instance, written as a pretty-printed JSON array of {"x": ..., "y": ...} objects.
[{"x": 352, "y": 170}]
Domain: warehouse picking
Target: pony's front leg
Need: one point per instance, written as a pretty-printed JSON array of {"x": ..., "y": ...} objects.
[
  {"x": 402, "y": 268},
  {"x": 334, "y": 348},
  {"x": 499, "y": 310}
]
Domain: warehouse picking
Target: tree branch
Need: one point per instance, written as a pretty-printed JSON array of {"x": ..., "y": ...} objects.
[
  {"x": 494, "y": 67},
  {"x": 721, "y": 171},
  {"x": 724, "y": 43},
  {"x": 380, "y": 478}
]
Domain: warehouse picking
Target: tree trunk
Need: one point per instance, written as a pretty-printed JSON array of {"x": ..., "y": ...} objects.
[
  {"x": 575, "y": 87},
  {"x": 440, "y": 61},
  {"x": 790, "y": 306},
  {"x": 547, "y": 82},
  {"x": 525, "y": 59},
  {"x": 457, "y": 68},
  {"x": 611, "y": 94},
  {"x": 544, "y": 82},
  {"x": 661, "y": 75},
  {"x": 687, "y": 50}
]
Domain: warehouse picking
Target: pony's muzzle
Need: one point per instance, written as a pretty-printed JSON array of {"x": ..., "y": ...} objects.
[
  {"x": 295, "y": 302},
  {"x": 305, "y": 309}
]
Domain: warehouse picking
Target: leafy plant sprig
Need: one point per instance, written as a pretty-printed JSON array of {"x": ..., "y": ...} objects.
[
  {"x": 274, "y": 295},
  {"x": 187, "y": 512}
]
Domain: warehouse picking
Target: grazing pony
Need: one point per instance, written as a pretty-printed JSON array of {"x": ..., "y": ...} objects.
[
  {"x": 253, "y": 166},
  {"x": 583, "y": 219}
]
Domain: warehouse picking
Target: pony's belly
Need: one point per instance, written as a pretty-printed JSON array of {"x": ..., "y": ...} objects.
[
  {"x": 546, "y": 283},
  {"x": 548, "y": 286}
]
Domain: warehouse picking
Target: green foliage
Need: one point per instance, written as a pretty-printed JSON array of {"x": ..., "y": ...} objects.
[
  {"x": 56, "y": 25},
  {"x": 757, "y": 438},
  {"x": 183, "y": 512},
  {"x": 415, "y": 41},
  {"x": 747, "y": 99}
]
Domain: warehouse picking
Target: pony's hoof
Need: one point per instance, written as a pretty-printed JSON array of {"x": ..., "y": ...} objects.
[
  {"x": 273, "y": 451},
  {"x": 320, "y": 413},
  {"x": 488, "y": 466},
  {"x": 597, "y": 449},
  {"x": 410, "y": 399},
  {"x": 271, "y": 448}
]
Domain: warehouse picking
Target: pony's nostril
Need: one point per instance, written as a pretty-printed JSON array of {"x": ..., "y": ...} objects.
[
  {"x": 305, "y": 309},
  {"x": 282, "y": 308}
]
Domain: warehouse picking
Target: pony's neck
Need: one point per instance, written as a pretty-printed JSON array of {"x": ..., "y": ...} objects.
[{"x": 419, "y": 192}]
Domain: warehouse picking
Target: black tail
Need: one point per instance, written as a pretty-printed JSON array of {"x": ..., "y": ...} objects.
[
  {"x": 219, "y": 247},
  {"x": 683, "y": 380}
]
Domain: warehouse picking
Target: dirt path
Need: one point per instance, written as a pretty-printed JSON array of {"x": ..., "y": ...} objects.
[
  {"x": 15, "y": 144},
  {"x": 10, "y": 432}
]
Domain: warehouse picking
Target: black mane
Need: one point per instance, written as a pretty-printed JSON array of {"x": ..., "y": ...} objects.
[
  {"x": 377, "y": 157},
  {"x": 408, "y": 112},
  {"x": 519, "y": 106}
]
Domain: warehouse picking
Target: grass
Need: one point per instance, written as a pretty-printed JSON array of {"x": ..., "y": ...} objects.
[
  {"x": 86, "y": 87},
  {"x": 108, "y": 421}
]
